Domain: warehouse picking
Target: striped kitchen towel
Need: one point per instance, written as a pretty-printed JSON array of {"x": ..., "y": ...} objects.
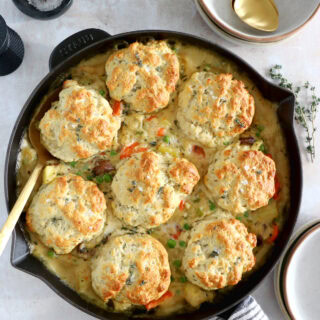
[{"x": 248, "y": 309}]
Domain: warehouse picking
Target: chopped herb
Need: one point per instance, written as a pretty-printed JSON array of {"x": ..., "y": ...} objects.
[
  {"x": 142, "y": 283},
  {"x": 130, "y": 189},
  {"x": 149, "y": 231},
  {"x": 171, "y": 243},
  {"x": 73, "y": 163},
  {"x": 186, "y": 226},
  {"x": 153, "y": 143},
  {"x": 214, "y": 254},
  {"x": 239, "y": 218},
  {"x": 78, "y": 173},
  {"x": 172, "y": 279},
  {"x": 196, "y": 200},
  {"x": 177, "y": 263},
  {"x": 212, "y": 205},
  {"x": 51, "y": 253},
  {"x": 183, "y": 279},
  {"x": 102, "y": 92},
  {"x": 107, "y": 177},
  {"x": 90, "y": 177},
  {"x": 140, "y": 133},
  {"x": 166, "y": 139},
  {"x": 258, "y": 171},
  {"x": 246, "y": 214},
  {"x": 226, "y": 143},
  {"x": 239, "y": 123},
  {"x": 199, "y": 212},
  {"x": 207, "y": 67},
  {"x": 182, "y": 244},
  {"x": 113, "y": 153}
]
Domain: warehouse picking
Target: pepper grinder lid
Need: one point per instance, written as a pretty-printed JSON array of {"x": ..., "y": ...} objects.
[{"x": 11, "y": 49}]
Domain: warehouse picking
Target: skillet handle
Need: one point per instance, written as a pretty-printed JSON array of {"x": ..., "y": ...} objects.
[{"x": 75, "y": 43}]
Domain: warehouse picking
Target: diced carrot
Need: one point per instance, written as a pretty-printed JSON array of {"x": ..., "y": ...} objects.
[
  {"x": 277, "y": 188},
  {"x": 275, "y": 233},
  {"x": 161, "y": 132},
  {"x": 129, "y": 150},
  {"x": 142, "y": 149},
  {"x": 116, "y": 108},
  {"x": 150, "y": 118},
  {"x": 155, "y": 303},
  {"x": 178, "y": 233},
  {"x": 198, "y": 150},
  {"x": 181, "y": 205}
]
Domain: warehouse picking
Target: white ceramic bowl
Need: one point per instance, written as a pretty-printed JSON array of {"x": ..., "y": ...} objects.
[
  {"x": 219, "y": 31},
  {"x": 293, "y": 15}
]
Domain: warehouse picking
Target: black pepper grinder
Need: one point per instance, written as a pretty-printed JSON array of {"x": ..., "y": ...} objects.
[{"x": 11, "y": 49}]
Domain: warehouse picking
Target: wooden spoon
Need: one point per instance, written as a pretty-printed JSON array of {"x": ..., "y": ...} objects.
[
  {"x": 43, "y": 157},
  {"x": 259, "y": 14}
]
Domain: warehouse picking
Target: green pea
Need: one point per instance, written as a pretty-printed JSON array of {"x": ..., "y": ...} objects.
[
  {"x": 171, "y": 243},
  {"x": 186, "y": 226},
  {"x": 102, "y": 92},
  {"x": 107, "y": 177},
  {"x": 51, "y": 253},
  {"x": 99, "y": 179},
  {"x": 182, "y": 244},
  {"x": 177, "y": 263},
  {"x": 166, "y": 139}
]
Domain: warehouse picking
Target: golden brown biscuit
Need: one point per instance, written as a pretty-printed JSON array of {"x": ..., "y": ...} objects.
[
  {"x": 79, "y": 125},
  {"x": 148, "y": 188},
  {"x": 143, "y": 75},
  {"x": 214, "y": 109},
  {"x": 241, "y": 179},
  {"x": 218, "y": 253},
  {"x": 131, "y": 269},
  {"x": 66, "y": 212}
]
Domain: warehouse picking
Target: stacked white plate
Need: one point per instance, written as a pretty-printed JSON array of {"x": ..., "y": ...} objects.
[
  {"x": 297, "y": 277},
  {"x": 220, "y": 17}
]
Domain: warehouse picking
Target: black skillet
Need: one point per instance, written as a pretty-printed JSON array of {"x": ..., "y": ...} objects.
[{"x": 87, "y": 43}]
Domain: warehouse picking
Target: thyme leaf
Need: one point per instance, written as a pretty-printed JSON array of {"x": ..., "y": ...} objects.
[{"x": 305, "y": 113}]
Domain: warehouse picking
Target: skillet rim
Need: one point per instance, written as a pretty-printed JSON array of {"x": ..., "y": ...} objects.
[{"x": 287, "y": 99}]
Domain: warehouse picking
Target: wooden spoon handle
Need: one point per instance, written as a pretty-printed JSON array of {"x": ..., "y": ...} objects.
[{"x": 18, "y": 207}]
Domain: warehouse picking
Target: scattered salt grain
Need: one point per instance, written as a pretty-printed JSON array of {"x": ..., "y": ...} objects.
[{"x": 45, "y": 5}]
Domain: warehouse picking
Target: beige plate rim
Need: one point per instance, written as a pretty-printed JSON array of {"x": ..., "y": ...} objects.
[{"x": 250, "y": 38}]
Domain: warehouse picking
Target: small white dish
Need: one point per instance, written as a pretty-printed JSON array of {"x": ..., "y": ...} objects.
[
  {"x": 301, "y": 281},
  {"x": 293, "y": 15},
  {"x": 287, "y": 298}
]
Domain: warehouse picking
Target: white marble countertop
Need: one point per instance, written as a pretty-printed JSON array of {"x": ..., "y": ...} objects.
[{"x": 25, "y": 297}]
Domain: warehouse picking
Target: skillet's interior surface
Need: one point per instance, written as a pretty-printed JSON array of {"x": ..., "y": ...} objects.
[{"x": 28, "y": 263}]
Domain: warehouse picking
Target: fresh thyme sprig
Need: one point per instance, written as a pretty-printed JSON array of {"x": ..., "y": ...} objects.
[{"x": 305, "y": 114}]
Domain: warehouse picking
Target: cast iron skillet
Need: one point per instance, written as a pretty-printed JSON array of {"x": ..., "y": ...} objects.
[{"x": 87, "y": 43}]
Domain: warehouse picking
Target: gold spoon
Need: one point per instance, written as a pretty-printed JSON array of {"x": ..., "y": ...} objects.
[
  {"x": 43, "y": 157},
  {"x": 259, "y": 14}
]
